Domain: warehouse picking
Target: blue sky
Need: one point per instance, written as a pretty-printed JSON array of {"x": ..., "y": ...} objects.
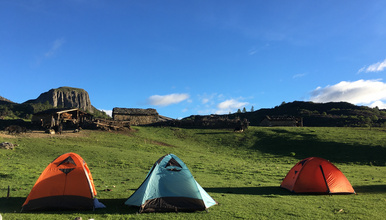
[{"x": 195, "y": 57}]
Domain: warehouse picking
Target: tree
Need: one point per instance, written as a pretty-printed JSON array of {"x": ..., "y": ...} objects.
[
  {"x": 238, "y": 111},
  {"x": 244, "y": 110},
  {"x": 252, "y": 109},
  {"x": 374, "y": 118}
]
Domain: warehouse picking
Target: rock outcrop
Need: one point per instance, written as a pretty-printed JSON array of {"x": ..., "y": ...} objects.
[
  {"x": 4, "y": 100},
  {"x": 66, "y": 97}
]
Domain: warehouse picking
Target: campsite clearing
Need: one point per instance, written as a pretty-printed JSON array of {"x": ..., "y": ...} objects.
[{"x": 241, "y": 171}]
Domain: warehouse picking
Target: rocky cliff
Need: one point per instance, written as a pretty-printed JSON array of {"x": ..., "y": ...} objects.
[{"x": 66, "y": 97}]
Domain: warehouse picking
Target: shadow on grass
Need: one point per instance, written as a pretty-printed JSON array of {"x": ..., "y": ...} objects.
[
  {"x": 262, "y": 191},
  {"x": 212, "y": 133},
  {"x": 116, "y": 206},
  {"x": 370, "y": 189},
  {"x": 11, "y": 205},
  {"x": 113, "y": 206},
  {"x": 273, "y": 191},
  {"x": 308, "y": 145}
]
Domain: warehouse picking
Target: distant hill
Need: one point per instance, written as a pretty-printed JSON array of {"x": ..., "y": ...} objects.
[
  {"x": 332, "y": 114},
  {"x": 63, "y": 97}
]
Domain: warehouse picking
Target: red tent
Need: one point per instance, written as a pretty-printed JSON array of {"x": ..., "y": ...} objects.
[
  {"x": 316, "y": 175},
  {"x": 66, "y": 183}
]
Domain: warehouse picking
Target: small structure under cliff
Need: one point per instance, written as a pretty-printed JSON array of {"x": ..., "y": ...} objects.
[{"x": 53, "y": 118}]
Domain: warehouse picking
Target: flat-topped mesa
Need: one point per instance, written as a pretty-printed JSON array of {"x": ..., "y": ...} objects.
[{"x": 66, "y": 97}]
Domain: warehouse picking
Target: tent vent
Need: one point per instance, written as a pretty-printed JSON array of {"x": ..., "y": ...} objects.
[
  {"x": 67, "y": 160},
  {"x": 173, "y": 162}
]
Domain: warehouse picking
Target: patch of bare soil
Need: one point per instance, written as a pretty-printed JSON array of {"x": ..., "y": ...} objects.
[
  {"x": 160, "y": 143},
  {"x": 42, "y": 134}
]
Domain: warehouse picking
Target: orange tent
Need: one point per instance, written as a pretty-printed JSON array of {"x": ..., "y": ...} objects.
[
  {"x": 65, "y": 184},
  {"x": 316, "y": 175}
]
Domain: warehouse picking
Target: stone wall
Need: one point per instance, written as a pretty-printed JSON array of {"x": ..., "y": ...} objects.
[
  {"x": 285, "y": 121},
  {"x": 211, "y": 121},
  {"x": 136, "y": 116}
]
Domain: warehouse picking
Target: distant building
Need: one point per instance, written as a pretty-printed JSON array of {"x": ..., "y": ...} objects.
[
  {"x": 286, "y": 121},
  {"x": 136, "y": 116}
]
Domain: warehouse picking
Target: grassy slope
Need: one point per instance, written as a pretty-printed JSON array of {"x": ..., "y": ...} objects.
[{"x": 242, "y": 171}]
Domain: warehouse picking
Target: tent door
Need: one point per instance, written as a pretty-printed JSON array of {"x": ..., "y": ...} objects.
[{"x": 324, "y": 177}]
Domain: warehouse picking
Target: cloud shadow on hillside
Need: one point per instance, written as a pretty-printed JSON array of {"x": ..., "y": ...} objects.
[{"x": 309, "y": 146}]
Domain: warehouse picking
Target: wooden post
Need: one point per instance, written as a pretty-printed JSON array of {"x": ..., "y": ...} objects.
[{"x": 8, "y": 193}]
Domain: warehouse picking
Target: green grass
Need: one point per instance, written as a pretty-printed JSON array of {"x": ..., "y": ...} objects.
[{"x": 241, "y": 171}]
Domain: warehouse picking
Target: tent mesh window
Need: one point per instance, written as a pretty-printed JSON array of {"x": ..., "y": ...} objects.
[{"x": 66, "y": 171}]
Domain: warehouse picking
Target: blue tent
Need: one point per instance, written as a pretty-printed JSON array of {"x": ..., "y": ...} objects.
[{"x": 169, "y": 186}]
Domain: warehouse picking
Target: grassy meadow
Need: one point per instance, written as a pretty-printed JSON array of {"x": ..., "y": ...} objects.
[{"x": 241, "y": 171}]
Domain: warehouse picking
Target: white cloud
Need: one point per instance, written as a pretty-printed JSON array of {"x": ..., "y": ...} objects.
[
  {"x": 299, "y": 75},
  {"x": 365, "y": 92},
  {"x": 167, "y": 99},
  {"x": 376, "y": 67},
  {"x": 209, "y": 99},
  {"x": 57, "y": 44},
  {"x": 252, "y": 51},
  {"x": 362, "y": 69},
  {"x": 230, "y": 105},
  {"x": 108, "y": 112},
  {"x": 55, "y": 47},
  {"x": 216, "y": 103},
  {"x": 379, "y": 104}
]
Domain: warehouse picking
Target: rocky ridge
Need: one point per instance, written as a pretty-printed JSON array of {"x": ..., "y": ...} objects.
[{"x": 66, "y": 97}]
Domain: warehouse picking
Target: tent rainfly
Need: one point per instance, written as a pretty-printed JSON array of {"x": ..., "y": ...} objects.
[
  {"x": 170, "y": 187},
  {"x": 65, "y": 184},
  {"x": 316, "y": 175}
]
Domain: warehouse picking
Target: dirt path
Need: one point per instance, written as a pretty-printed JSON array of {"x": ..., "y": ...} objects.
[{"x": 42, "y": 134}]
